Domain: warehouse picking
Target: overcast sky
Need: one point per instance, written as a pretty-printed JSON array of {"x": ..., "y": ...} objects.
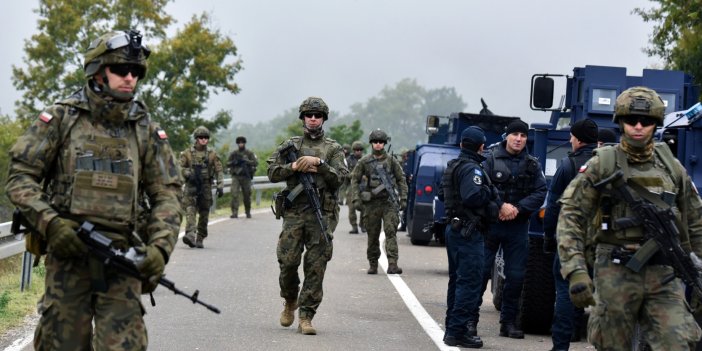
[{"x": 346, "y": 51}]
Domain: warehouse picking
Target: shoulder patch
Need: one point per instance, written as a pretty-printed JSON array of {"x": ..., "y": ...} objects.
[
  {"x": 478, "y": 180},
  {"x": 583, "y": 168},
  {"x": 162, "y": 134},
  {"x": 46, "y": 117},
  {"x": 478, "y": 172}
]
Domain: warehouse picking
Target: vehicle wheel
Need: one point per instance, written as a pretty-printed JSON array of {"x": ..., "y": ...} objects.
[{"x": 538, "y": 293}]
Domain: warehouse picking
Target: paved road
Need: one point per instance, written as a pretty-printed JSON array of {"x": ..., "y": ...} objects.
[{"x": 237, "y": 271}]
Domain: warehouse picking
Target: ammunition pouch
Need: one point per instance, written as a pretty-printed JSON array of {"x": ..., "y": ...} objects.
[
  {"x": 365, "y": 196},
  {"x": 279, "y": 201},
  {"x": 35, "y": 244}
]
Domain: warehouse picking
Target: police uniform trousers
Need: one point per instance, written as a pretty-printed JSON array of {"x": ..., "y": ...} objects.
[
  {"x": 513, "y": 237},
  {"x": 625, "y": 298},
  {"x": 197, "y": 214},
  {"x": 301, "y": 232},
  {"x": 381, "y": 213},
  {"x": 465, "y": 262},
  {"x": 243, "y": 183},
  {"x": 70, "y": 306}
]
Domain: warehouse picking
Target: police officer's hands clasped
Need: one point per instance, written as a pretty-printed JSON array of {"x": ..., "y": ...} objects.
[
  {"x": 153, "y": 264},
  {"x": 549, "y": 244},
  {"x": 63, "y": 240},
  {"x": 220, "y": 192},
  {"x": 580, "y": 289}
]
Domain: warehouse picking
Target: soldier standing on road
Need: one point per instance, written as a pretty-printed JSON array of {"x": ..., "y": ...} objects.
[
  {"x": 466, "y": 193},
  {"x": 522, "y": 187},
  {"x": 583, "y": 140},
  {"x": 623, "y": 297},
  {"x": 242, "y": 166},
  {"x": 201, "y": 167},
  {"x": 324, "y": 160},
  {"x": 87, "y": 158},
  {"x": 351, "y": 162},
  {"x": 374, "y": 195}
]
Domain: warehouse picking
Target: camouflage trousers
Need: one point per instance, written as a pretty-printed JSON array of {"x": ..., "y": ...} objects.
[
  {"x": 197, "y": 215},
  {"x": 301, "y": 232},
  {"x": 625, "y": 298},
  {"x": 353, "y": 218},
  {"x": 243, "y": 183},
  {"x": 74, "y": 317},
  {"x": 343, "y": 192},
  {"x": 379, "y": 213}
]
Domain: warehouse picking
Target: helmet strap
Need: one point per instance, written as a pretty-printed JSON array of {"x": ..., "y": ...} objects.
[{"x": 106, "y": 90}]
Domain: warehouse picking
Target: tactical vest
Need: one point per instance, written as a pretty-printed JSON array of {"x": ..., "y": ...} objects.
[
  {"x": 322, "y": 150},
  {"x": 513, "y": 188},
  {"x": 663, "y": 174},
  {"x": 195, "y": 157},
  {"x": 97, "y": 175},
  {"x": 452, "y": 194},
  {"x": 373, "y": 181}
]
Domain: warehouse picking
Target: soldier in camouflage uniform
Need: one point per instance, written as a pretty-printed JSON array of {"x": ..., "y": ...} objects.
[
  {"x": 242, "y": 165},
  {"x": 351, "y": 161},
  {"x": 324, "y": 159},
  {"x": 622, "y": 297},
  {"x": 378, "y": 208},
  {"x": 201, "y": 167},
  {"x": 87, "y": 158}
]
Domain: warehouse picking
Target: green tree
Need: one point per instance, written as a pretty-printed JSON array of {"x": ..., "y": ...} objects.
[
  {"x": 182, "y": 71},
  {"x": 677, "y": 34},
  {"x": 346, "y": 134}
]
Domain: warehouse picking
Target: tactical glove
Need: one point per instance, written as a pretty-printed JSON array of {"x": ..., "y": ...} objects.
[
  {"x": 63, "y": 240},
  {"x": 580, "y": 289},
  {"x": 306, "y": 163},
  {"x": 220, "y": 192},
  {"x": 153, "y": 264},
  {"x": 549, "y": 244}
]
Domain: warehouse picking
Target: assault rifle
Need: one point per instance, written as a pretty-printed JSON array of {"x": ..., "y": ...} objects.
[
  {"x": 239, "y": 161},
  {"x": 386, "y": 185},
  {"x": 127, "y": 262},
  {"x": 660, "y": 232},
  {"x": 196, "y": 179},
  {"x": 310, "y": 187}
]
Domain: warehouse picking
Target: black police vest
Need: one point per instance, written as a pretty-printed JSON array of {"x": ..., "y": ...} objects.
[
  {"x": 513, "y": 188},
  {"x": 452, "y": 194}
]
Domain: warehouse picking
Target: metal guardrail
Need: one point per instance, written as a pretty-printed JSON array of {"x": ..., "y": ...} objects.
[{"x": 11, "y": 245}]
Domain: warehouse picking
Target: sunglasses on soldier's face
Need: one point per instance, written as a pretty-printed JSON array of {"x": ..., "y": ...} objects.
[
  {"x": 315, "y": 115},
  {"x": 123, "y": 69},
  {"x": 633, "y": 120}
]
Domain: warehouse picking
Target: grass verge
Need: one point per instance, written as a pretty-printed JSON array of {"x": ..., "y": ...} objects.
[{"x": 15, "y": 305}]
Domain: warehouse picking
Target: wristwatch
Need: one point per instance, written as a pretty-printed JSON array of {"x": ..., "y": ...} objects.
[{"x": 321, "y": 163}]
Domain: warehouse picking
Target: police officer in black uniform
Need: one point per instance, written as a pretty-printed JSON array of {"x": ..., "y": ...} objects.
[{"x": 466, "y": 192}]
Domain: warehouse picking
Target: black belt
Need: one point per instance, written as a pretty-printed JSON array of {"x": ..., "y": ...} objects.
[{"x": 620, "y": 255}]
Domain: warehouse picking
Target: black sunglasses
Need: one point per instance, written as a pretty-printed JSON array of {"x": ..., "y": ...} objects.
[
  {"x": 377, "y": 142},
  {"x": 314, "y": 115},
  {"x": 203, "y": 137},
  {"x": 123, "y": 69},
  {"x": 633, "y": 120}
]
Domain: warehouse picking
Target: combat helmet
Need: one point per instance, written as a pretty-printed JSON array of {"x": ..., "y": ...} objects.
[
  {"x": 240, "y": 139},
  {"x": 314, "y": 104},
  {"x": 378, "y": 134},
  {"x": 117, "y": 47},
  {"x": 641, "y": 101},
  {"x": 201, "y": 131},
  {"x": 357, "y": 145}
]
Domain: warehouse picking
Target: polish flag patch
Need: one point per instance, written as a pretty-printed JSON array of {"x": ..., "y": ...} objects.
[
  {"x": 46, "y": 117},
  {"x": 582, "y": 168},
  {"x": 162, "y": 134}
]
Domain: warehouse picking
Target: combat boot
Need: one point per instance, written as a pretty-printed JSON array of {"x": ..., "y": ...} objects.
[
  {"x": 511, "y": 331},
  {"x": 472, "y": 329},
  {"x": 198, "y": 242},
  {"x": 248, "y": 214},
  {"x": 287, "y": 317},
  {"x": 394, "y": 269},
  {"x": 306, "y": 327},
  {"x": 354, "y": 230},
  {"x": 189, "y": 239},
  {"x": 234, "y": 215},
  {"x": 373, "y": 269},
  {"x": 362, "y": 227}
]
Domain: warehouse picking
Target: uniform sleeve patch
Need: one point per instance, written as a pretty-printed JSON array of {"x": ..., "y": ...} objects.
[
  {"x": 478, "y": 180},
  {"x": 478, "y": 172},
  {"x": 162, "y": 134},
  {"x": 46, "y": 117},
  {"x": 583, "y": 168}
]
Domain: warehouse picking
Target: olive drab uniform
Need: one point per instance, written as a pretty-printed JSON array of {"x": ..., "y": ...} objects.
[
  {"x": 666, "y": 319},
  {"x": 301, "y": 230},
  {"x": 351, "y": 162},
  {"x": 242, "y": 166},
  {"x": 85, "y": 159},
  {"x": 377, "y": 207},
  {"x": 201, "y": 168}
]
